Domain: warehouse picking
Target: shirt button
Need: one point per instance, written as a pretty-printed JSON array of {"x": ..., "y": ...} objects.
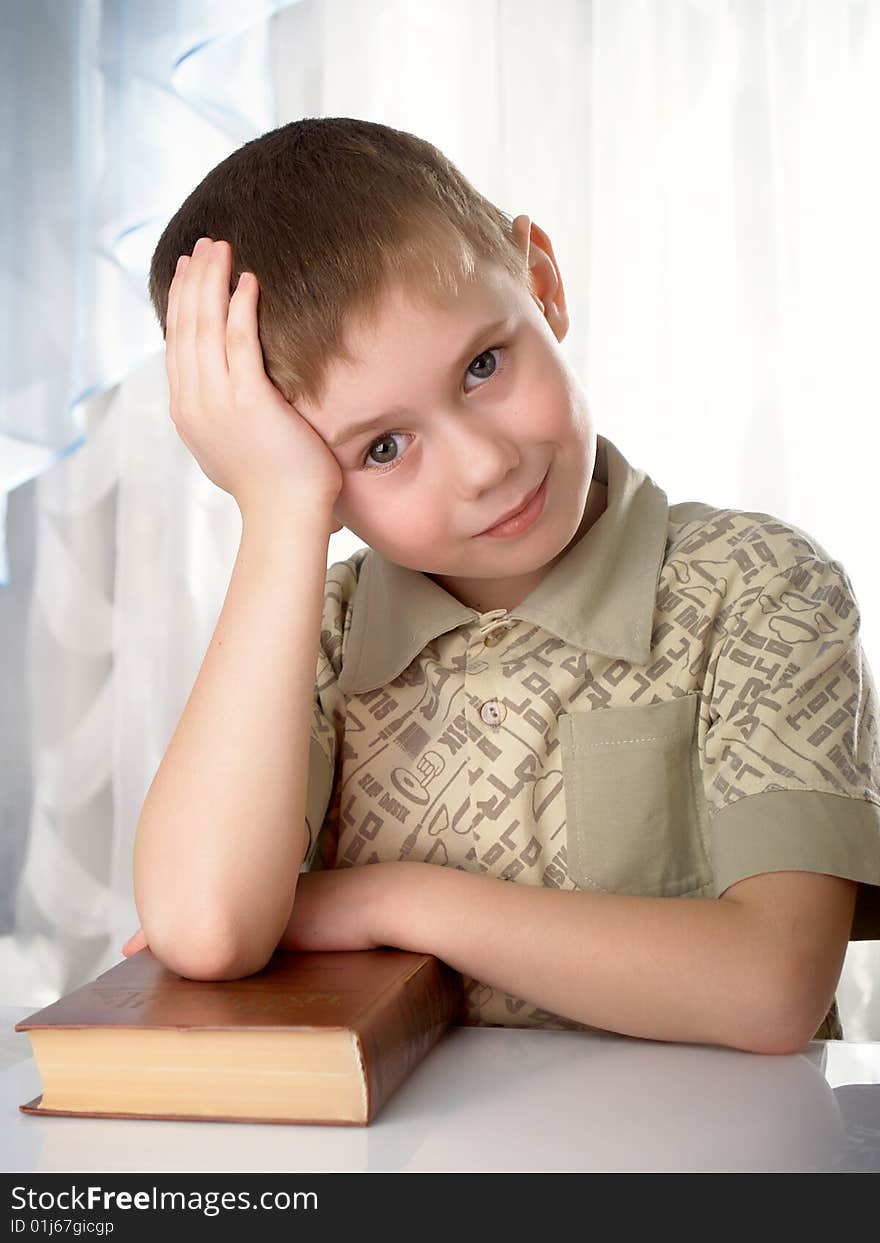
[{"x": 493, "y": 712}]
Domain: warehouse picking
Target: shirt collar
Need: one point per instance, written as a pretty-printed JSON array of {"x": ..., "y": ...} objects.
[{"x": 599, "y": 598}]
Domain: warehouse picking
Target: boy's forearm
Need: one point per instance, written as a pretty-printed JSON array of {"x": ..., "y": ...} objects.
[
  {"x": 680, "y": 969},
  {"x": 221, "y": 835}
]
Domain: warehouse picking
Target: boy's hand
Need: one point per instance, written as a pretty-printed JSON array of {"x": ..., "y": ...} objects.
[
  {"x": 246, "y": 438},
  {"x": 337, "y": 909},
  {"x": 135, "y": 943}
]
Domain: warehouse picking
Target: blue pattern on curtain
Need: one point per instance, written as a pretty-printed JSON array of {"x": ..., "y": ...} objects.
[{"x": 153, "y": 96}]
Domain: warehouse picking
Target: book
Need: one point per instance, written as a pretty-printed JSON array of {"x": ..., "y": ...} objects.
[{"x": 317, "y": 1038}]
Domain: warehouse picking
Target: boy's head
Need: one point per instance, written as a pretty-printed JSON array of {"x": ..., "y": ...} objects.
[{"x": 379, "y": 265}]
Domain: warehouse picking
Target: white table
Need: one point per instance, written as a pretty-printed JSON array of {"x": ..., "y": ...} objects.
[{"x": 506, "y": 1100}]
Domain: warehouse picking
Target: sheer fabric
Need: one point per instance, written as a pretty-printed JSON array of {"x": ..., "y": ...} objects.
[{"x": 113, "y": 113}]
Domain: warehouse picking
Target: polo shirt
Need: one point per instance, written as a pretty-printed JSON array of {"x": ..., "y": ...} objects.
[{"x": 682, "y": 702}]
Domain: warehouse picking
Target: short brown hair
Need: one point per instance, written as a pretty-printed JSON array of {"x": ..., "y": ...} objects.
[{"x": 329, "y": 212}]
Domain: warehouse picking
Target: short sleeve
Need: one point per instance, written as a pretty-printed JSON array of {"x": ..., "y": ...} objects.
[
  {"x": 329, "y": 713},
  {"x": 322, "y": 765},
  {"x": 790, "y": 756}
]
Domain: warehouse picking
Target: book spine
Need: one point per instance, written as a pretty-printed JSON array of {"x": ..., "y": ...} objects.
[{"x": 396, "y": 1037}]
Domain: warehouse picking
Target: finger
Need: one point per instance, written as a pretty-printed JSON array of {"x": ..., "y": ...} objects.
[
  {"x": 171, "y": 327},
  {"x": 213, "y": 310},
  {"x": 247, "y": 371},
  {"x": 185, "y": 343},
  {"x": 134, "y": 943}
]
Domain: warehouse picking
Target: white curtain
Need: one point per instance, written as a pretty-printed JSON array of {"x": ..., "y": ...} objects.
[
  {"x": 112, "y": 112},
  {"x": 709, "y": 174}
]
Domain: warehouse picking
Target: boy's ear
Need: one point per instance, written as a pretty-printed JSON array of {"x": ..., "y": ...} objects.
[{"x": 544, "y": 274}]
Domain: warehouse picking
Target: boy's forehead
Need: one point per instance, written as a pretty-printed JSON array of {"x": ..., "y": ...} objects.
[{"x": 431, "y": 316}]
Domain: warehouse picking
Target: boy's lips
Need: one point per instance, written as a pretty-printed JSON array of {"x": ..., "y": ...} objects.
[{"x": 511, "y": 513}]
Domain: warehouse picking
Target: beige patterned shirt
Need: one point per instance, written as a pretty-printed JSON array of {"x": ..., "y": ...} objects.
[{"x": 681, "y": 703}]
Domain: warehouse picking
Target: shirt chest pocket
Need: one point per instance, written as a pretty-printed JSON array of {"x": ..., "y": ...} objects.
[{"x": 636, "y": 815}]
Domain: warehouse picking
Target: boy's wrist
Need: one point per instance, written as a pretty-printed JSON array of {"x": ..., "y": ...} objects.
[
  {"x": 287, "y": 518},
  {"x": 405, "y": 891}
]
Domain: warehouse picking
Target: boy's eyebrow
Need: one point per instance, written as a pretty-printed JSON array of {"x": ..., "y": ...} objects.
[{"x": 467, "y": 355}]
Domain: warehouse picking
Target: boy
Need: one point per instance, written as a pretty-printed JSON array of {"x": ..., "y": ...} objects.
[{"x": 657, "y": 722}]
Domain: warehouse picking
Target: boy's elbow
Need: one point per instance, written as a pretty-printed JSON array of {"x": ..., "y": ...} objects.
[
  {"x": 783, "y": 1025},
  {"x": 211, "y": 958},
  {"x": 773, "y": 1039}
]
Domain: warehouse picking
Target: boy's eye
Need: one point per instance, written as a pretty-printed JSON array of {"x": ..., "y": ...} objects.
[
  {"x": 487, "y": 366},
  {"x": 387, "y": 439},
  {"x": 484, "y": 366}
]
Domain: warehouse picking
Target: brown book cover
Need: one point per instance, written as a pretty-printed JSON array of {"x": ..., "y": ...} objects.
[{"x": 312, "y": 1038}]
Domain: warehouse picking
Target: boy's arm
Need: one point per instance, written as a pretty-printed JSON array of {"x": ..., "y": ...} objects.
[
  {"x": 755, "y": 969},
  {"x": 222, "y": 831},
  {"x": 221, "y": 835}
]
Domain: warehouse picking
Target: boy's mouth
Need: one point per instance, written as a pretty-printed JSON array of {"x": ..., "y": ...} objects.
[{"x": 517, "y": 510}]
